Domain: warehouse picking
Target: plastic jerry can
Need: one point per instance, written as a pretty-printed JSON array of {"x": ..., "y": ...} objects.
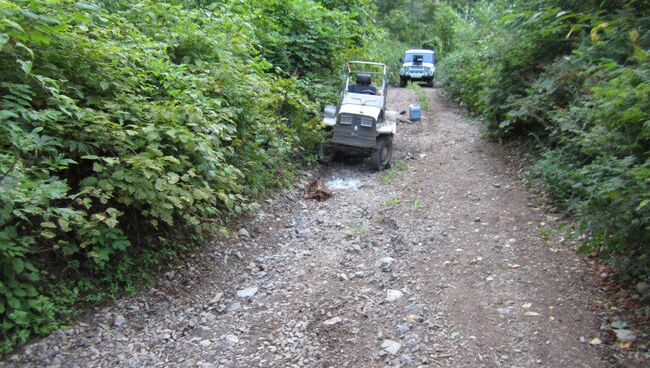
[{"x": 414, "y": 112}]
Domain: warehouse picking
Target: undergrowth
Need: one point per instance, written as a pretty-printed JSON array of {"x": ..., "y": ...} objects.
[
  {"x": 132, "y": 130},
  {"x": 422, "y": 95},
  {"x": 574, "y": 79}
]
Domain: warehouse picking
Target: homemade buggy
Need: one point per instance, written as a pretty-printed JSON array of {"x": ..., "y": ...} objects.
[{"x": 360, "y": 125}]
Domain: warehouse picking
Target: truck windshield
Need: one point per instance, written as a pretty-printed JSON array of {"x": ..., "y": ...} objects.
[{"x": 426, "y": 58}]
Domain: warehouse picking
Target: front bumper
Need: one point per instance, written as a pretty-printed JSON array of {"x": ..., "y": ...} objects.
[{"x": 417, "y": 77}]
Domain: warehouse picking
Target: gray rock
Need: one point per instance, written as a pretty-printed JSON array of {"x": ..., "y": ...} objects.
[
  {"x": 216, "y": 298},
  {"x": 412, "y": 343},
  {"x": 411, "y": 308},
  {"x": 243, "y": 233},
  {"x": 406, "y": 359},
  {"x": 118, "y": 320},
  {"x": 332, "y": 321},
  {"x": 504, "y": 311},
  {"x": 300, "y": 222},
  {"x": 387, "y": 264},
  {"x": 232, "y": 339},
  {"x": 390, "y": 346},
  {"x": 205, "y": 343},
  {"x": 208, "y": 316},
  {"x": 234, "y": 307},
  {"x": 393, "y": 295},
  {"x": 248, "y": 292},
  {"x": 625, "y": 335}
]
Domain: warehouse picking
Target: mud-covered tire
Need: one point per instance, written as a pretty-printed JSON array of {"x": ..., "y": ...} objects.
[
  {"x": 325, "y": 155},
  {"x": 403, "y": 81},
  {"x": 383, "y": 153}
]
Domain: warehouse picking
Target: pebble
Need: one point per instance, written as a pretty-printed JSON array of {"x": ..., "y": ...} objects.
[
  {"x": 406, "y": 359},
  {"x": 504, "y": 311},
  {"x": 118, "y": 320},
  {"x": 387, "y": 264},
  {"x": 248, "y": 292},
  {"x": 234, "y": 307},
  {"x": 392, "y": 347},
  {"x": 232, "y": 339},
  {"x": 393, "y": 295},
  {"x": 625, "y": 335},
  {"x": 243, "y": 233},
  {"x": 403, "y": 329},
  {"x": 332, "y": 321}
]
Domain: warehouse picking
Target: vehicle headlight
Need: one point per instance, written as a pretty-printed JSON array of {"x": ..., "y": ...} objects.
[
  {"x": 345, "y": 119},
  {"x": 404, "y": 70},
  {"x": 366, "y": 121}
]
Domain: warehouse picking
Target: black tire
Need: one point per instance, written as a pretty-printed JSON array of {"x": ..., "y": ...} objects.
[
  {"x": 383, "y": 154},
  {"x": 325, "y": 155},
  {"x": 430, "y": 82},
  {"x": 403, "y": 81}
]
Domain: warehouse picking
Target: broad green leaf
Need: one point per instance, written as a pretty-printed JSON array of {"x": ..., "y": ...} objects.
[
  {"x": 3, "y": 40},
  {"x": 18, "y": 265}
]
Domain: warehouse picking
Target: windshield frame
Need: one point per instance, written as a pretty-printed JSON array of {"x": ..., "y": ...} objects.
[{"x": 426, "y": 57}]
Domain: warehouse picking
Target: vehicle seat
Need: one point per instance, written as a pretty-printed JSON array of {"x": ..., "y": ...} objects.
[{"x": 363, "y": 85}]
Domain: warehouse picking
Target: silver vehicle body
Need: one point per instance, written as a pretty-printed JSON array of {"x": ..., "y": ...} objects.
[
  {"x": 360, "y": 105},
  {"x": 423, "y": 71},
  {"x": 358, "y": 124}
]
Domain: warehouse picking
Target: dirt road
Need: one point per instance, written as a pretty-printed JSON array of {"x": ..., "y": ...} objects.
[{"x": 442, "y": 261}]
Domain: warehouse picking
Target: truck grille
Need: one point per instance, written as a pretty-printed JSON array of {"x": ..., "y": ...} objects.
[{"x": 353, "y": 133}]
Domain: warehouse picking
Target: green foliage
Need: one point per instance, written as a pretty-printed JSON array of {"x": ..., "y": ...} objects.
[
  {"x": 388, "y": 176},
  {"x": 392, "y": 202},
  {"x": 573, "y": 76},
  {"x": 422, "y": 95},
  {"x": 421, "y": 24},
  {"x": 130, "y": 131},
  {"x": 416, "y": 205}
]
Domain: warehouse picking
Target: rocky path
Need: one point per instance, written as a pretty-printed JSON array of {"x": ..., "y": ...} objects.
[{"x": 442, "y": 261}]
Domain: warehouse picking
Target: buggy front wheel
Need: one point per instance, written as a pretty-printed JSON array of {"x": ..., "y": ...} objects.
[
  {"x": 383, "y": 153},
  {"x": 325, "y": 154}
]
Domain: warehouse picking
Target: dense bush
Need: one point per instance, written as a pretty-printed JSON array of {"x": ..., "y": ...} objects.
[
  {"x": 575, "y": 76},
  {"x": 130, "y": 130},
  {"x": 421, "y": 24}
]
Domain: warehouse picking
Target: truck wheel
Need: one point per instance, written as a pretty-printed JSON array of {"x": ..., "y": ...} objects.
[
  {"x": 325, "y": 155},
  {"x": 383, "y": 153},
  {"x": 430, "y": 82},
  {"x": 403, "y": 81}
]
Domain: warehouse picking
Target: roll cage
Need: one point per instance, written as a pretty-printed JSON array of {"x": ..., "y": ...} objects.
[{"x": 353, "y": 68}]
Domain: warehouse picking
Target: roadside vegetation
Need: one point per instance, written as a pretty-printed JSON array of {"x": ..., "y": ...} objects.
[
  {"x": 571, "y": 79},
  {"x": 422, "y": 95},
  {"x": 131, "y": 130}
]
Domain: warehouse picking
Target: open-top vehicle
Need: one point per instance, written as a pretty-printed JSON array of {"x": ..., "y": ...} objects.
[{"x": 360, "y": 125}]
